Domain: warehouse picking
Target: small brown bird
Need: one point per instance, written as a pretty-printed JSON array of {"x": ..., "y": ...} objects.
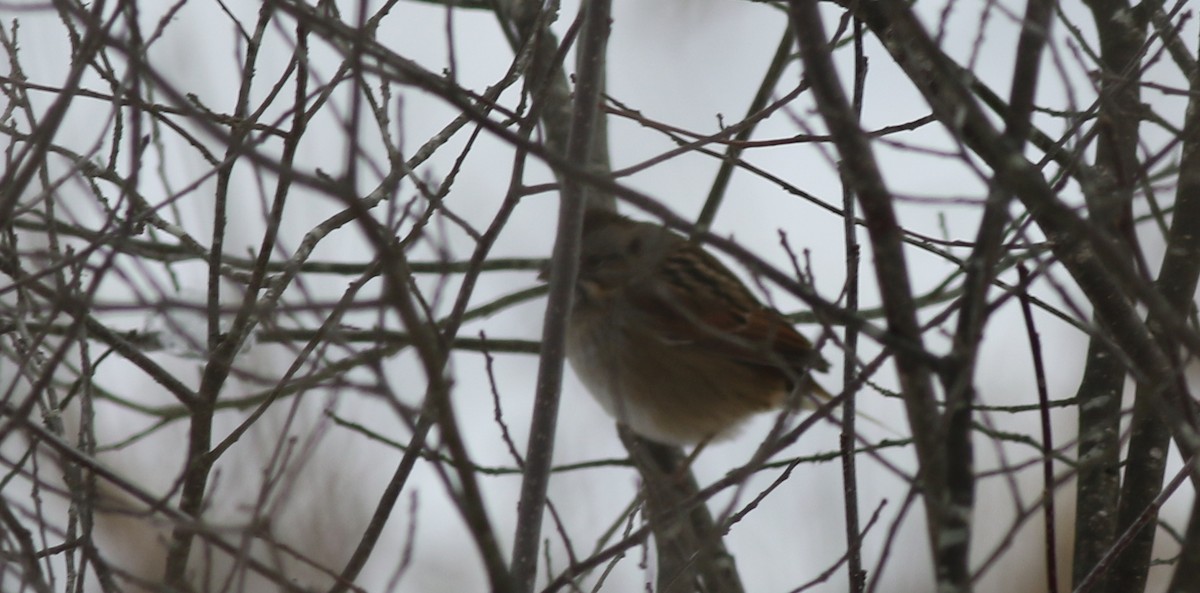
[{"x": 670, "y": 342}]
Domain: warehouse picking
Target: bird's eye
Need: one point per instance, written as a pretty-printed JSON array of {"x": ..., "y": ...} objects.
[{"x": 634, "y": 247}]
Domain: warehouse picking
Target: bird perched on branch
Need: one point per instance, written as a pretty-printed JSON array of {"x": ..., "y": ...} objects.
[{"x": 670, "y": 342}]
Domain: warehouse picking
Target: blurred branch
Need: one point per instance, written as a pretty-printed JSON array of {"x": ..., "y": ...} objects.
[
  {"x": 1096, "y": 271},
  {"x": 1146, "y": 462},
  {"x": 733, "y": 150},
  {"x": 1110, "y": 204},
  {"x": 237, "y": 267},
  {"x": 677, "y": 509},
  {"x": 22, "y": 166},
  {"x": 1095, "y": 261},
  {"x": 1187, "y": 567},
  {"x": 856, "y": 576},
  {"x": 1098, "y": 574},
  {"x": 981, "y": 268},
  {"x": 1047, "y": 444},
  {"x": 564, "y": 265},
  {"x": 153, "y": 502},
  {"x": 30, "y": 570},
  {"x": 690, "y": 549},
  {"x": 450, "y": 326},
  {"x": 947, "y": 518},
  {"x": 198, "y": 462},
  {"x": 527, "y": 27}
]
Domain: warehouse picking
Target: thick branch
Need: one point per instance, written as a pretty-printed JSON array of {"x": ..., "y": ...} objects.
[
  {"x": 1177, "y": 280},
  {"x": 563, "y": 270}
]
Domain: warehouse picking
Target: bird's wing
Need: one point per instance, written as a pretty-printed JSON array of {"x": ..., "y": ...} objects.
[{"x": 700, "y": 303}]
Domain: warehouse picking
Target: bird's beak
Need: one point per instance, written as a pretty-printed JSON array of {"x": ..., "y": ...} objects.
[{"x": 544, "y": 271}]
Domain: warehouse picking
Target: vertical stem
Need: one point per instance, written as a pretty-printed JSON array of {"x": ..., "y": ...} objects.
[
  {"x": 1177, "y": 280},
  {"x": 854, "y": 569},
  {"x": 198, "y": 463},
  {"x": 949, "y": 527},
  {"x": 1187, "y": 567},
  {"x": 1098, "y": 487},
  {"x": 1035, "y": 349},
  {"x": 1098, "y": 484},
  {"x": 563, "y": 271},
  {"x": 980, "y": 273}
]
